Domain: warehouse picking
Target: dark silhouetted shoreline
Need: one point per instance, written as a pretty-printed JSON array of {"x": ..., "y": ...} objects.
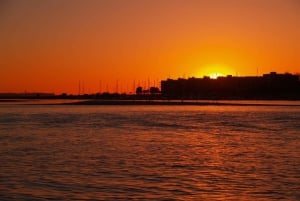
[
  {"x": 271, "y": 86},
  {"x": 181, "y": 103}
]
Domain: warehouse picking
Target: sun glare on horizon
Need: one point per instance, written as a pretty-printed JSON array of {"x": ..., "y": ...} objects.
[
  {"x": 215, "y": 75},
  {"x": 213, "y": 71}
]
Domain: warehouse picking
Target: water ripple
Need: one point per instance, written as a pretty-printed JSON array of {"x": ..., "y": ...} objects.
[{"x": 149, "y": 153}]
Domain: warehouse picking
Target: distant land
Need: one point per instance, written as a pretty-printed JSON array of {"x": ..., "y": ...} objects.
[{"x": 270, "y": 86}]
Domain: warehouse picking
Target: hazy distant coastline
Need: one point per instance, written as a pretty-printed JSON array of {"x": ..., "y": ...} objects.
[
  {"x": 151, "y": 102},
  {"x": 270, "y": 86},
  {"x": 186, "y": 102}
]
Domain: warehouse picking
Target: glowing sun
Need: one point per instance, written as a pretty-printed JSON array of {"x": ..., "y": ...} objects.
[
  {"x": 213, "y": 71},
  {"x": 215, "y": 75}
]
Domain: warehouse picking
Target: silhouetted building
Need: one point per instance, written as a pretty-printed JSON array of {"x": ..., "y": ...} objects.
[
  {"x": 154, "y": 90},
  {"x": 139, "y": 90},
  {"x": 268, "y": 86}
]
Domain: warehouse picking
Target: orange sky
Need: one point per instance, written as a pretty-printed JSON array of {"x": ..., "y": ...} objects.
[{"x": 51, "y": 45}]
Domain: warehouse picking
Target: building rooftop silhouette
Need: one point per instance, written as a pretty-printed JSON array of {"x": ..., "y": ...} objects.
[{"x": 268, "y": 86}]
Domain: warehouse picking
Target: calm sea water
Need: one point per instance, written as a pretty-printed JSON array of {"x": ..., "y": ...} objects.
[{"x": 149, "y": 152}]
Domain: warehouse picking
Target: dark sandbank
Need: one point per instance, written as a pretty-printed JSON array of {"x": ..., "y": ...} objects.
[{"x": 174, "y": 103}]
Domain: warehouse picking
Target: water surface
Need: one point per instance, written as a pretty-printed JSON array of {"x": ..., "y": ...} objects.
[{"x": 149, "y": 152}]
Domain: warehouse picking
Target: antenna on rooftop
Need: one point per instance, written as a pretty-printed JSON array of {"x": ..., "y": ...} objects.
[
  {"x": 117, "y": 86},
  {"x": 79, "y": 87},
  {"x": 100, "y": 86},
  {"x": 133, "y": 89},
  {"x": 83, "y": 87}
]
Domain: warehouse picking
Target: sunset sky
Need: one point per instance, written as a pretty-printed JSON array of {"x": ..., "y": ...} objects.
[{"x": 114, "y": 45}]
